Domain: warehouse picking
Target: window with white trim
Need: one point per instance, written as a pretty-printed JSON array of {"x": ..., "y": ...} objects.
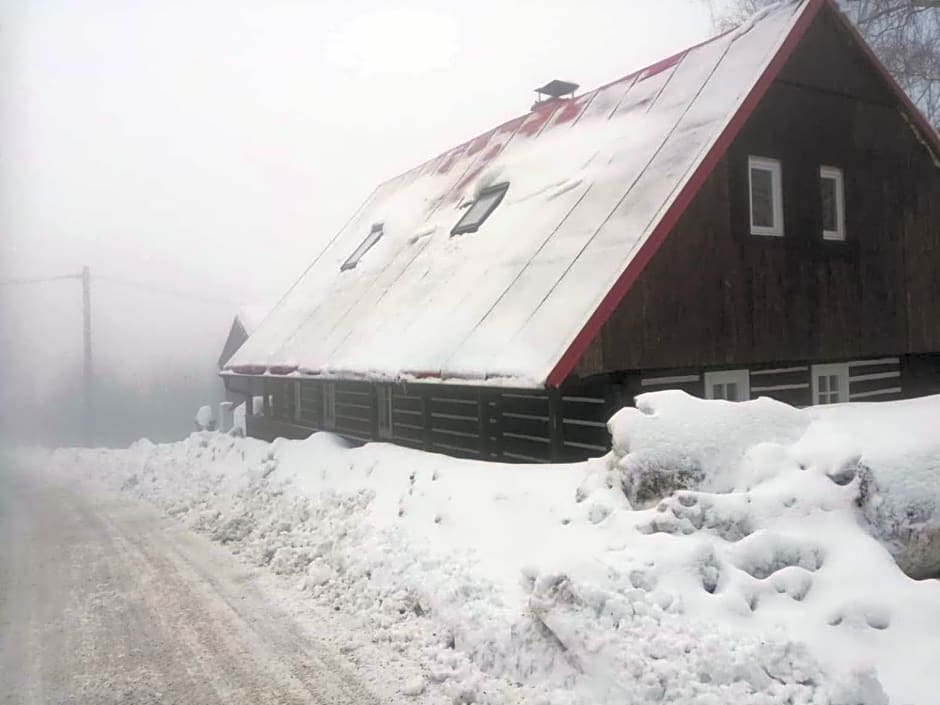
[
  {"x": 375, "y": 234},
  {"x": 830, "y": 383},
  {"x": 732, "y": 385},
  {"x": 329, "y": 405},
  {"x": 383, "y": 395},
  {"x": 832, "y": 193},
  {"x": 480, "y": 209},
  {"x": 765, "y": 196}
]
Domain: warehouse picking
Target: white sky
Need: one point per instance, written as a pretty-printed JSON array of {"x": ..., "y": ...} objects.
[{"x": 213, "y": 145}]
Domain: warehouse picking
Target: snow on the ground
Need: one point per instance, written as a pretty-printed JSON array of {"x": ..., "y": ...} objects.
[{"x": 721, "y": 553}]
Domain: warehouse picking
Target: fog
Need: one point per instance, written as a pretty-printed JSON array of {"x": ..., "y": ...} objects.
[{"x": 196, "y": 155}]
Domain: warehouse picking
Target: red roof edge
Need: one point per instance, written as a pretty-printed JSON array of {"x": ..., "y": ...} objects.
[
  {"x": 626, "y": 280},
  {"x": 493, "y": 130},
  {"x": 930, "y": 132}
]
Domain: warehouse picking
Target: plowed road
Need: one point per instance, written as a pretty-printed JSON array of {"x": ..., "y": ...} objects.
[{"x": 105, "y": 601}]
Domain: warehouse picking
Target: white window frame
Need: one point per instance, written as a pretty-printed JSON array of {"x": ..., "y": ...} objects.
[
  {"x": 840, "y": 370},
  {"x": 835, "y": 173},
  {"x": 776, "y": 189},
  {"x": 742, "y": 378},
  {"x": 383, "y": 410},
  {"x": 329, "y": 405}
]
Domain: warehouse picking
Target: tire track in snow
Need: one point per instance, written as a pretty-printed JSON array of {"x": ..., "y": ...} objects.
[{"x": 105, "y": 601}]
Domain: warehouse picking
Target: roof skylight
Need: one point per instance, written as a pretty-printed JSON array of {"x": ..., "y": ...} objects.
[
  {"x": 373, "y": 237},
  {"x": 480, "y": 209}
]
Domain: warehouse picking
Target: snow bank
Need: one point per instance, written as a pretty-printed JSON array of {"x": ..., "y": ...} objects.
[
  {"x": 756, "y": 578},
  {"x": 674, "y": 441},
  {"x": 900, "y": 445}
]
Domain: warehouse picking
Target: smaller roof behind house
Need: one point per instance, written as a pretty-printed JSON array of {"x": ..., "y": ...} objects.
[
  {"x": 246, "y": 321},
  {"x": 250, "y": 317}
]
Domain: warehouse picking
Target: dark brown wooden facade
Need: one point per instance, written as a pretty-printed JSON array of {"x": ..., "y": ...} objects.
[
  {"x": 868, "y": 379},
  {"x": 716, "y": 295},
  {"x": 510, "y": 425},
  {"x": 716, "y": 298}
]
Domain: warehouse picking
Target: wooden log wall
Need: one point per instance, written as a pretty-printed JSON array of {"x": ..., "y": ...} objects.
[
  {"x": 540, "y": 426},
  {"x": 532, "y": 426}
]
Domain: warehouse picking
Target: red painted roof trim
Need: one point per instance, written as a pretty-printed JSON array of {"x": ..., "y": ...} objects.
[
  {"x": 620, "y": 288},
  {"x": 512, "y": 126},
  {"x": 930, "y": 133}
]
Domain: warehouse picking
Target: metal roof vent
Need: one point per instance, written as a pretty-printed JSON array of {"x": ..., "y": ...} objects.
[{"x": 554, "y": 90}]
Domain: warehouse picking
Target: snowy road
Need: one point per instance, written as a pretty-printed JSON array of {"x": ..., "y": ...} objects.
[{"x": 105, "y": 601}]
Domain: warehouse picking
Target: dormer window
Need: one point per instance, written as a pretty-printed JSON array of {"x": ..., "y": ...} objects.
[
  {"x": 480, "y": 209},
  {"x": 373, "y": 237}
]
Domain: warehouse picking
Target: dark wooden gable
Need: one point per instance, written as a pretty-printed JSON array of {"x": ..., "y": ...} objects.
[{"x": 715, "y": 294}]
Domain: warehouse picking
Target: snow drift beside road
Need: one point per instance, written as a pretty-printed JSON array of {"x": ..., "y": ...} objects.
[
  {"x": 891, "y": 451},
  {"x": 758, "y": 573}
]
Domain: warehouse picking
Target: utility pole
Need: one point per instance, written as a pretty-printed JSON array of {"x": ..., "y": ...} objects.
[
  {"x": 89, "y": 420},
  {"x": 87, "y": 368}
]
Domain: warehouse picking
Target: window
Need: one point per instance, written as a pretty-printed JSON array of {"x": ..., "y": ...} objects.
[
  {"x": 329, "y": 405},
  {"x": 733, "y": 385},
  {"x": 830, "y": 384},
  {"x": 373, "y": 237},
  {"x": 384, "y": 411},
  {"x": 267, "y": 408},
  {"x": 832, "y": 192},
  {"x": 480, "y": 209},
  {"x": 766, "y": 196}
]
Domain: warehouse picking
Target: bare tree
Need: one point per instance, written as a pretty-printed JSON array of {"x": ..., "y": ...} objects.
[{"x": 905, "y": 34}]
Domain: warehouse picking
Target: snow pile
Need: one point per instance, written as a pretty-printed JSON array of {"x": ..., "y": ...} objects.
[
  {"x": 673, "y": 441},
  {"x": 900, "y": 445},
  {"x": 755, "y": 579}
]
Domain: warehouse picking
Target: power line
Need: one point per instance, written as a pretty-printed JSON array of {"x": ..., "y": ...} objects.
[
  {"x": 87, "y": 370},
  {"x": 166, "y": 291},
  {"x": 39, "y": 280}
]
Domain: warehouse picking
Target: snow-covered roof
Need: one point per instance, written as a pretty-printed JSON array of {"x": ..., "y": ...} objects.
[
  {"x": 246, "y": 321},
  {"x": 250, "y": 317},
  {"x": 595, "y": 183}
]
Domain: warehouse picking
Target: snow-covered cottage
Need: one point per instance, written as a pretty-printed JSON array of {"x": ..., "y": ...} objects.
[{"x": 756, "y": 215}]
